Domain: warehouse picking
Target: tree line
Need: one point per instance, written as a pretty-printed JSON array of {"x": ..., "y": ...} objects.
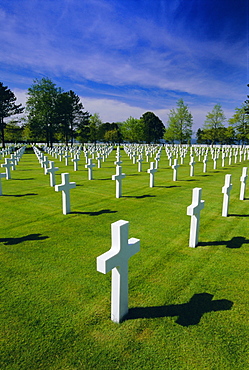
[{"x": 52, "y": 115}]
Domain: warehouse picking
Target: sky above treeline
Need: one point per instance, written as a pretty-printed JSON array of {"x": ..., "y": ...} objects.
[{"x": 127, "y": 57}]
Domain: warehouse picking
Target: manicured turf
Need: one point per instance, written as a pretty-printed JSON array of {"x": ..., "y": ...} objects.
[{"x": 188, "y": 307}]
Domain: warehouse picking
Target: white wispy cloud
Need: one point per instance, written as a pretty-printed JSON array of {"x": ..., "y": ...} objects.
[{"x": 92, "y": 40}]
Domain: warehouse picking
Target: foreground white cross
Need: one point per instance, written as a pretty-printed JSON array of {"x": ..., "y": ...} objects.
[
  {"x": 75, "y": 161},
  {"x": 151, "y": 171},
  {"x": 51, "y": 170},
  {"x": 45, "y": 163},
  {"x": 205, "y": 160},
  {"x": 116, "y": 259},
  {"x": 2, "y": 175},
  {"x": 90, "y": 166},
  {"x": 65, "y": 187},
  {"x": 118, "y": 177},
  {"x": 175, "y": 169},
  {"x": 226, "y": 189},
  {"x": 243, "y": 183},
  {"x": 194, "y": 211},
  {"x": 192, "y": 164},
  {"x": 7, "y": 165}
]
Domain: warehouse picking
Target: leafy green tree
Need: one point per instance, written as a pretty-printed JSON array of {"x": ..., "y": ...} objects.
[
  {"x": 13, "y": 132},
  {"x": 112, "y": 136},
  {"x": 41, "y": 106},
  {"x": 153, "y": 128},
  {"x": 70, "y": 115},
  {"x": 95, "y": 122},
  {"x": 106, "y": 126},
  {"x": 213, "y": 123},
  {"x": 199, "y": 136},
  {"x": 240, "y": 123},
  {"x": 8, "y": 108},
  {"x": 179, "y": 125},
  {"x": 133, "y": 130}
]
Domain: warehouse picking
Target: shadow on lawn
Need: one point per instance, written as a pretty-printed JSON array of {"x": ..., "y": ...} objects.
[
  {"x": 235, "y": 242},
  {"x": 188, "y": 313},
  {"x": 236, "y": 215},
  {"x": 167, "y": 187},
  {"x": 19, "y": 195},
  {"x": 31, "y": 178},
  {"x": 98, "y": 213},
  {"x": 138, "y": 196},
  {"x": 12, "y": 241}
]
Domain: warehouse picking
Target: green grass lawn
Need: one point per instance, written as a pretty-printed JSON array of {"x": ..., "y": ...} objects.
[{"x": 188, "y": 307}]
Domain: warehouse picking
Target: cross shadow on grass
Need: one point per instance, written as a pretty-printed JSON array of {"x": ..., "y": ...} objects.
[
  {"x": 235, "y": 242},
  {"x": 98, "y": 213},
  {"x": 236, "y": 215},
  {"x": 139, "y": 196},
  {"x": 167, "y": 187},
  {"x": 188, "y": 313},
  {"x": 19, "y": 195},
  {"x": 30, "y": 178},
  {"x": 12, "y": 241}
]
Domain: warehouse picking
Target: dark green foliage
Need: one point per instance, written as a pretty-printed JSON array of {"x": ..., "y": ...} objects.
[
  {"x": 153, "y": 128},
  {"x": 8, "y": 108},
  {"x": 179, "y": 125}
]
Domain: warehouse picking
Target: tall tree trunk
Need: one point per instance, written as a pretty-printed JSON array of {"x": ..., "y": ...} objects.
[{"x": 2, "y": 132}]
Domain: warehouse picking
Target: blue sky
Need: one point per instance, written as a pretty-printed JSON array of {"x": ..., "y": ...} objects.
[{"x": 126, "y": 57}]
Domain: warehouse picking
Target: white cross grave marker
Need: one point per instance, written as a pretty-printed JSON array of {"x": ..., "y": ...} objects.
[
  {"x": 116, "y": 259},
  {"x": 226, "y": 189},
  {"x": 90, "y": 166},
  {"x": 7, "y": 165},
  {"x": 66, "y": 156},
  {"x": 2, "y": 175},
  {"x": 194, "y": 211},
  {"x": 139, "y": 161},
  {"x": 75, "y": 161},
  {"x": 175, "y": 169},
  {"x": 192, "y": 164},
  {"x": 205, "y": 160},
  {"x": 65, "y": 187},
  {"x": 243, "y": 183},
  {"x": 118, "y": 177},
  {"x": 151, "y": 171},
  {"x": 99, "y": 159},
  {"x": 51, "y": 170},
  {"x": 45, "y": 163}
]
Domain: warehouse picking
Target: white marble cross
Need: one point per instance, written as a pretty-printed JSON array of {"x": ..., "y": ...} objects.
[
  {"x": 205, "y": 160},
  {"x": 90, "y": 166},
  {"x": 2, "y": 175},
  {"x": 65, "y": 187},
  {"x": 175, "y": 169},
  {"x": 157, "y": 159},
  {"x": 243, "y": 183},
  {"x": 13, "y": 159},
  {"x": 118, "y": 162},
  {"x": 45, "y": 163},
  {"x": 99, "y": 159},
  {"x": 152, "y": 171},
  {"x": 66, "y": 156},
  {"x": 75, "y": 161},
  {"x": 51, "y": 170},
  {"x": 7, "y": 165},
  {"x": 116, "y": 259},
  {"x": 118, "y": 177},
  {"x": 194, "y": 211},
  {"x": 215, "y": 162},
  {"x": 226, "y": 189},
  {"x": 192, "y": 164},
  {"x": 139, "y": 161}
]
